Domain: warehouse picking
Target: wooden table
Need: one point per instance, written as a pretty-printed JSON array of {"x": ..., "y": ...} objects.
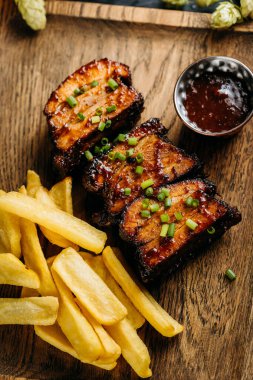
[{"x": 216, "y": 343}]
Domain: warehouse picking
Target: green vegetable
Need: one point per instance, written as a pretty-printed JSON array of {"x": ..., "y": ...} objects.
[
  {"x": 247, "y": 8},
  {"x": 147, "y": 183},
  {"x": 145, "y": 213},
  {"x": 139, "y": 158},
  {"x": 154, "y": 207},
  {"x": 230, "y": 274},
  {"x": 165, "y": 191},
  {"x": 108, "y": 123},
  {"x": 106, "y": 147},
  {"x": 191, "y": 224},
  {"x": 97, "y": 150},
  {"x": 175, "y": 3},
  {"x": 205, "y": 3},
  {"x": 164, "y": 218},
  {"x": 111, "y": 108},
  {"x": 120, "y": 156},
  {"x": 95, "y": 119},
  {"x": 161, "y": 196},
  {"x": 104, "y": 141},
  {"x": 139, "y": 170},
  {"x": 171, "y": 230},
  {"x": 211, "y": 230},
  {"x": 145, "y": 203},
  {"x": 77, "y": 91},
  {"x": 94, "y": 83},
  {"x": 111, "y": 156},
  {"x": 226, "y": 15},
  {"x": 80, "y": 116},
  {"x": 113, "y": 84},
  {"x": 121, "y": 137},
  {"x": 101, "y": 126},
  {"x": 88, "y": 155},
  {"x": 72, "y": 102},
  {"x": 164, "y": 230},
  {"x": 149, "y": 191},
  {"x": 127, "y": 191},
  {"x": 167, "y": 202},
  {"x": 189, "y": 201},
  {"x": 130, "y": 152},
  {"x": 178, "y": 215},
  {"x": 132, "y": 141},
  {"x": 99, "y": 111},
  {"x": 33, "y": 12}
]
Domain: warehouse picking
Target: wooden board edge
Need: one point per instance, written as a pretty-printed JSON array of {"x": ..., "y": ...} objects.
[{"x": 163, "y": 17}]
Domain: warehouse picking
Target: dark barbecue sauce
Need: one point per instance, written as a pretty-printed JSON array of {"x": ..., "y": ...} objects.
[{"x": 217, "y": 102}]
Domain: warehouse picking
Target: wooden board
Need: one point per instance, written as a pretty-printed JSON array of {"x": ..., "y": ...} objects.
[{"x": 216, "y": 343}]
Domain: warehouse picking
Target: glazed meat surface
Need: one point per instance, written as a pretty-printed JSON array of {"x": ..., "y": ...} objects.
[
  {"x": 102, "y": 89},
  {"x": 155, "y": 254},
  {"x": 162, "y": 162}
]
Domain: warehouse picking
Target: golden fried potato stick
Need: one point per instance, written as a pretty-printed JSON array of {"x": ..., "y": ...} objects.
[
  {"x": 133, "y": 349},
  {"x": 61, "y": 194},
  {"x": 14, "y": 272},
  {"x": 88, "y": 287},
  {"x": 73, "y": 229},
  {"x": 33, "y": 183},
  {"x": 97, "y": 264},
  {"x": 28, "y": 292},
  {"x": 9, "y": 232},
  {"x": 75, "y": 326},
  {"x": 151, "y": 310},
  {"x": 28, "y": 311},
  {"x": 54, "y": 336}
]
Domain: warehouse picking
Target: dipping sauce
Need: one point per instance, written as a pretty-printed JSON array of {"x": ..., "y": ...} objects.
[{"x": 217, "y": 102}]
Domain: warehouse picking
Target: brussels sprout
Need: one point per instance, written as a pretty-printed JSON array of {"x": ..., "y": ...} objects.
[
  {"x": 33, "y": 12},
  {"x": 205, "y": 3},
  {"x": 247, "y": 8},
  {"x": 176, "y": 3},
  {"x": 226, "y": 15}
]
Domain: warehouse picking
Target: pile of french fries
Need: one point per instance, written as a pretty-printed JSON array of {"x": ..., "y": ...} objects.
[{"x": 87, "y": 305}]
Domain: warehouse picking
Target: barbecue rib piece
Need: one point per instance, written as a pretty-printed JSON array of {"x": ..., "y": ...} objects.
[
  {"x": 71, "y": 125},
  {"x": 155, "y": 255},
  {"x": 162, "y": 162}
]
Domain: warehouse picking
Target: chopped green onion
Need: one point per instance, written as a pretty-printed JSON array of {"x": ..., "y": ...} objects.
[
  {"x": 95, "y": 119},
  {"x": 139, "y": 170},
  {"x": 84, "y": 88},
  {"x": 189, "y": 201},
  {"x": 113, "y": 84},
  {"x": 94, "y": 83},
  {"x": 111, "y": 156},
  {"x": 230, "y": 274},
  {"x": 171, "y": 230},
  {"x": 195, "y": 203},
  {"x": 97, "y": 149},
  {"x": 120, "y": 156},
  {"x": 167, "y": 202},
  {"x": 72, "y": 102},
  {"x": 127, "y": 191},
  {"x": 101, "y": 126},
  {"x": 99, "y": 111},
  {"x": 147, "y": 183},
  {"x": 78, "y": 91},
  {"x": 106, "y": 147},
  {"x": 191, "y": 224},
  {"x": 149, "y": 191},
  {"x": 139, "y": 158},
  {"x": 132, "y": 141},
  {"x": 164, "y": 218},
  {"x": 111, "y": 108},
  {"x": 164, "y": 230},
  {"x": 154, "y": 207},
  {"x": 108, "y": 123},
  {"x": 145, "y": 213},
  {"x": 130, "y": 152},
  {"x": 145, "y": 203},
  {"x": 178, "y": 215},
  {"x": 80, "y": 116},
  {"x": 211, "y": 230},
  {"x": 88, "y": 155},
  {"x": 104, "y": 141},
  {"x": 121, "y": 137},
  {"x": 165, "y": 191},
  {"x": 161, "y": 196}
]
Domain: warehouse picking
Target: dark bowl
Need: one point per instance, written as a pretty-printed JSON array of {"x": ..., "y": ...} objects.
[{"x": 209, "y": 65}]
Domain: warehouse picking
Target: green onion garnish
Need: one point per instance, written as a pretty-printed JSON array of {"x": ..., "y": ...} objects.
[
  {"x": 195, "y": 203},
  {"x": 121, "y": 137},
  {"x": 164, "y": 230},
  {"x": 127, "y": 191},
  {"x": 120, "y": 156},
  {"x": 80, "y": 116},
  {"x": 101, "y": 126},
  {"x": 161, "y": 196},
  {"x": 178, "y": 215},
  {"x": 108, "y": 123},
  {"x": 147, "y": 183},
  {"x": 88, "y": 155},
  {"x": 171, "y": 230},
  {"x": 230, "y": 274},
  {"x": 145, "y": 213},
  {"x": 97, "y": 149},
  {"x": 95, "y": 119},
  {"x": 167, "y": 202},
  {"x": 106, "y": 147},
  {"x": 99, "y": 111},
  {"x": 164, "y": 218},
  {"x": 154, "y": 207},
  {"x": 132, "y": 141},
  {"x": 139, "y": 158},
  {"x": 211, "y": 230},
  {"x": 191, "y": 224},
  {"x": 111, "y": 108},
  {"x": 139, "y": 170},
  {"x": 149, "y": 191},
  {"x": 145, "y": 203},
  {"x": 77, "y": 91},
  {"x": 130, "y": 152},
  {"x": 84, "y": 88},
  {"x": 165, "y": 191},
  {"x": 104, "y": 141},
  {"x": 113, "y": 84},
  {"x": 111, "y": 156},
  {"x": 94, "y": 83},
  {"x": 188, "y": 201},
  {"x": 72, "y": 102}
]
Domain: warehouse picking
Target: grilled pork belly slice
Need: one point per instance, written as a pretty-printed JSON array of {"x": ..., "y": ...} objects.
[
  {"x": 86, "y": 93},
  {"x": 162, "y": 162},
  {"x": 154, "y": 254}
]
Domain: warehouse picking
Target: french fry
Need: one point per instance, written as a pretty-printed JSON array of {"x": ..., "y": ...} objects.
[
  {"x": 28, "y": 311},
  {"x": 28, "y": 292},
  {"x": 73, "y": 229},
  {"x": 32, "y": 183},
  {"x": 151, "y": 310},
  {"x": 14, "y": 272},
  {"x": 97, "y": 264},
  {"x": 88, "y": 287},
  {"x": 50, "y": 261},
  {"x": 42, "y": 196},
  {"x": 133, "y": 349},
  {"x": 54, "y": 336},
  {"x": 75, "y": 326},
  {"x": 60, "y": 193},
  {"x": 9, "y": 232}
]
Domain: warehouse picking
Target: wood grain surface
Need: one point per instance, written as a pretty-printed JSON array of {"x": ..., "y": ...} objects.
[{"x": 217, "y": 341}]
